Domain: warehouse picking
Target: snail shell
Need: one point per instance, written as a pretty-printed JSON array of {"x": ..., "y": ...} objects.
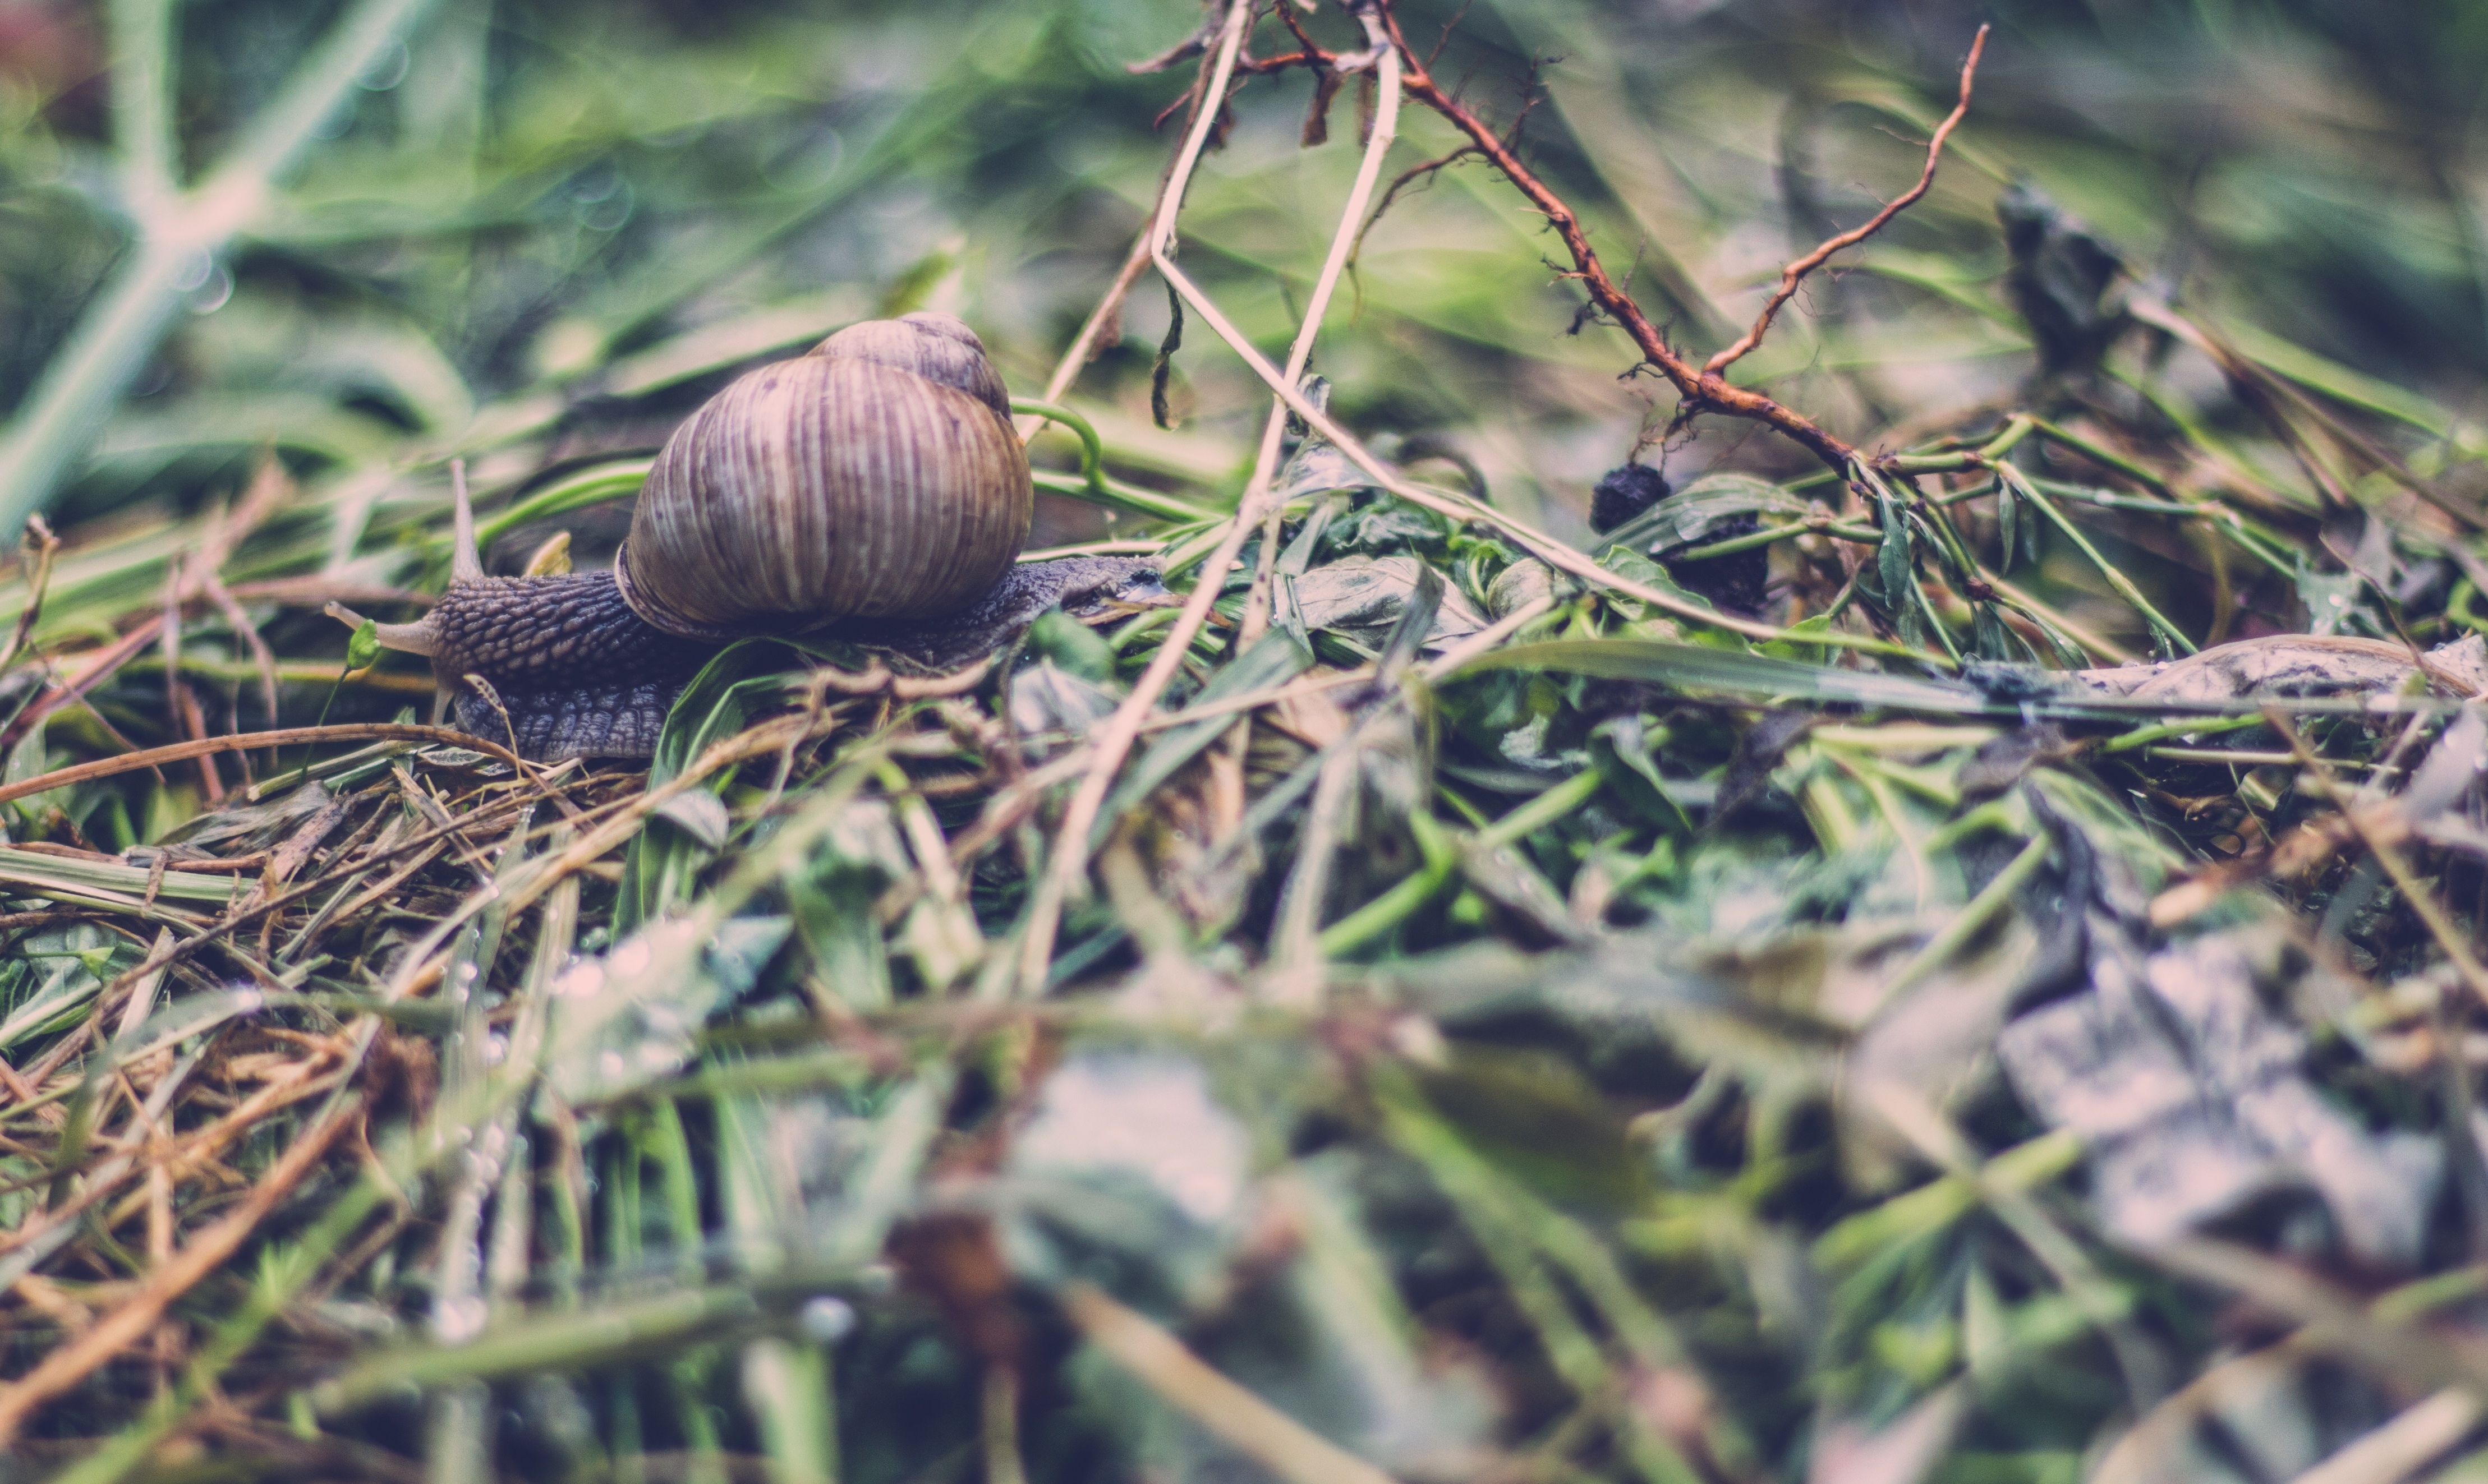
[
  {"x": 875, "y": 483},
  {"x": 877, "y": 477}
]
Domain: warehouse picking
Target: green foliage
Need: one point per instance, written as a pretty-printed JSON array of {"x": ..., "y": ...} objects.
[{"x": 1646, "y": 1042}]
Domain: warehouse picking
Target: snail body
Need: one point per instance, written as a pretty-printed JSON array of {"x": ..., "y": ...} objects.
[{"x": 871, "y": 490}]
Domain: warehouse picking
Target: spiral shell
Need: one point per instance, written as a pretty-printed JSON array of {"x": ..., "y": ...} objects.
[{"x": 876, "y": 477}]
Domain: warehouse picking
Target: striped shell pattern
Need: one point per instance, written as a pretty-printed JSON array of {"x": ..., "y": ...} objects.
[{"x": 876, "y": 477}]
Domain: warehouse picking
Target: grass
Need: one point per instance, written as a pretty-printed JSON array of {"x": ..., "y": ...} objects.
[{"x": 1535, "y": 1025}]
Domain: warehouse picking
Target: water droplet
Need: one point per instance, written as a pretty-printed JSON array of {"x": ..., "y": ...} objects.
[
  {"x": 458, "y": 1319},
  {"x": 826, "y": 1320},
  {"x": 387, "y": 70},
  {"x": 632, "y": 956}
]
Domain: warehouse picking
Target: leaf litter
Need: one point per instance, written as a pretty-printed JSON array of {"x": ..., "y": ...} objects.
[{"x": 1511, "y": 1026}]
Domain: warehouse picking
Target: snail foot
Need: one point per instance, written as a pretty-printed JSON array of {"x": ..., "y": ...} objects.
[{"x": 620, "y": 719}]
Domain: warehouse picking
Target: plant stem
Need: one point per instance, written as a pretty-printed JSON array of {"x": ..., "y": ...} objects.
[{"x": 2115, "y": 580}]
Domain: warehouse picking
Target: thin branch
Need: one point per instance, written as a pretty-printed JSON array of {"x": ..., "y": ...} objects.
[
  {"x": 1449, "y": 26},
  {"x": 1794, "y": 273},
  {"x": 1701, "y": 391},
  {"x": 1109, "y": 313},
  {"x": 1391, "y": 193},
  {"x": 1071, "y": 857},
  {"x": 1461, "y": 507},
  {"x": 64, "y": 1367},
  {"x": 1312, "y": 54}
]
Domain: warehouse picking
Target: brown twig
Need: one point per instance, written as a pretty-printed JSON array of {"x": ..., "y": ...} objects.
[
  {"x": 248, "y": 633},
  {"x": 193, "y": 724},
  {"x": 93, "y": 667},
  {"x": 1391, "y": 192},
  {"x": 1794, "y": 273},
  {"x": 1700, "y": 390},
  {"x": 99, "y": 666},
  {"x": 164, "y": 955},
  {"x": 359, "y": 731},
  {"x": 42, "y": 546}
]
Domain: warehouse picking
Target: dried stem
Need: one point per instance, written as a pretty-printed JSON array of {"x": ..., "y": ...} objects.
[
  {"x": 1794, "y": 273},
  {"x": 1070, "y": 859},
  {"x": 359, "y": 731},
  {"x": 1701, "y": 391},
  {"x": 72, "y": 1363},
  {"x": 1084, "y": 346}
]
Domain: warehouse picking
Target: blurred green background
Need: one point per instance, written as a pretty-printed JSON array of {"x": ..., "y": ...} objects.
[{"x": 534, "y": 233}]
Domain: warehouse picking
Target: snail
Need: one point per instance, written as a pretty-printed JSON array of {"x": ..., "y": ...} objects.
[{"x": 870, "y": 491}]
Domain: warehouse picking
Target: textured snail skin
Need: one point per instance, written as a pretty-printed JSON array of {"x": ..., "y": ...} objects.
[
  {"x": 578, "y": 674},
  {"x": 1077, "y": 584}
]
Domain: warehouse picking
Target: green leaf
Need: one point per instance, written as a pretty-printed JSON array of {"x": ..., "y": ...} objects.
[
  {"x": 666, "y": 855},
  {"x": 1623, "y": 751},
  {"x": 1073, "y": 646},
  {"x": 1416, "y": 620},
  {"x": 364, "y": 647},
  {"x": 1892, "y": 558},
  {"x": 1693, "y": 667}
]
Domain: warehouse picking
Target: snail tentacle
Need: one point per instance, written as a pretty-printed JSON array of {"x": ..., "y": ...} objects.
[
  {"x": 420, "y": 637},
  {"x": 466, "y": 560}
]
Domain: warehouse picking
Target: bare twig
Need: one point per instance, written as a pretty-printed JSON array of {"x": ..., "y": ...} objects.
[
  {"x": 1070, "y": 860},
  {"x": 39, "y": 578},
  {"x": 1401, "y": 181},
  {"x": 1701, "y": 389},
  {"x": 1109, "y": 313},
  {"x": 1114, "y": 742},
  {"x": 248, "y": 633},
  {"x": 1794, "y": 273},
  {"x": 1461, "y": 506},
  {"x": 360, "y": 731}
]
